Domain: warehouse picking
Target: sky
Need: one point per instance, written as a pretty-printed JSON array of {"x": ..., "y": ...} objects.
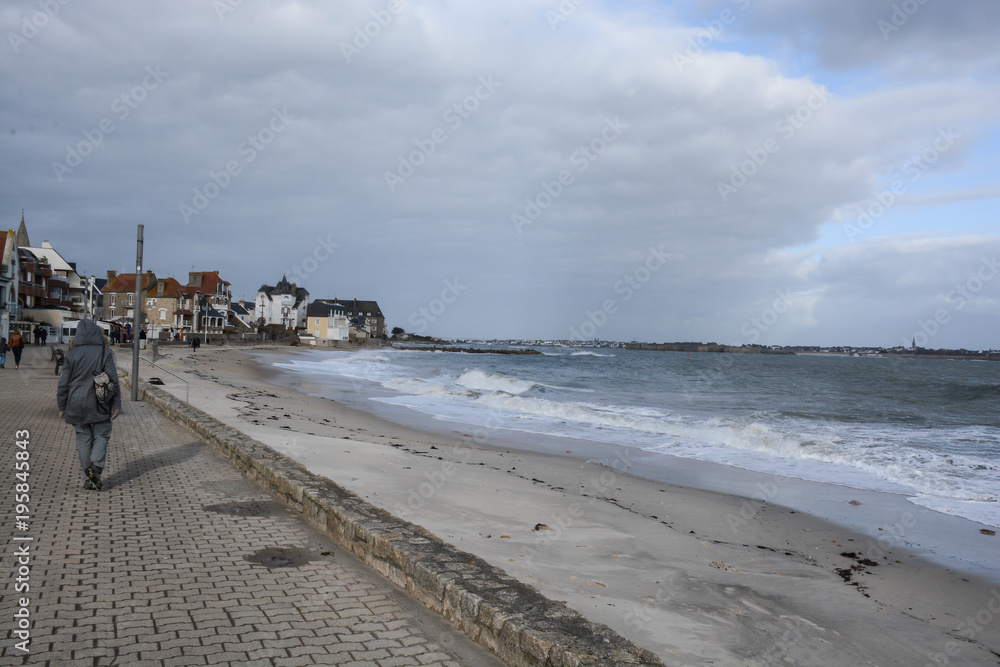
[{"x": 779, "y": 172}]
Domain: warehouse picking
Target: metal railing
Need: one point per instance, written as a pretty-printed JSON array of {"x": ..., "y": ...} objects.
[{"x": 187, "y": 385}]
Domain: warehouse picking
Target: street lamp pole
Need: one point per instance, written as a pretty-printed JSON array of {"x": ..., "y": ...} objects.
[{"x": 135, "y": 317}]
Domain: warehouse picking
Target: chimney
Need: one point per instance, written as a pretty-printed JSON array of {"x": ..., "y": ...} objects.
[
  {"x": 161, "y": 286},
  {"x": 194, "y": 278},
  {"x": 111, "y": 276}
]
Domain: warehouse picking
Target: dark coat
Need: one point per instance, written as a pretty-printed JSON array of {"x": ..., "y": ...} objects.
[{"x": 75, "y": 394}]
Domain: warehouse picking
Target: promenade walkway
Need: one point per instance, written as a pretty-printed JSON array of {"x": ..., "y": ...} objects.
[{"x": 180, "y": 560}]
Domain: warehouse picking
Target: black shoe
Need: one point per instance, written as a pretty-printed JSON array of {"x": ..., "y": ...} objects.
[
  {"x": 90, "y": 486},
  {"x": 93, "y": 476}
]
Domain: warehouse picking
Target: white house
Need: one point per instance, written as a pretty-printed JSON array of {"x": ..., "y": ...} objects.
[{"x": 284, "y": 304}]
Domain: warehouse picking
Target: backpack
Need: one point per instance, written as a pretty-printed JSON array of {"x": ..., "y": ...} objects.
[{"x": 104, "y": 388}]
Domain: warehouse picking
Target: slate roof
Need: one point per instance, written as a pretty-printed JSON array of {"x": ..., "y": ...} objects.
[
  {"x": 285, "y": 287},
  {"x": 325, "y": 307}
]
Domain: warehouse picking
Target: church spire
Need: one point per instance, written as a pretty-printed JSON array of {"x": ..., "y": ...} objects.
[{"x": 22, "y": 234}]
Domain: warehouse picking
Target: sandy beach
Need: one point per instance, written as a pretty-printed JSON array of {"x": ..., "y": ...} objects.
[{"x": 698, "y": 577}]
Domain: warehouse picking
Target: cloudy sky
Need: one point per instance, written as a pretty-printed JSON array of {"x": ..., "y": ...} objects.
[{"x": 771, "y": 171}]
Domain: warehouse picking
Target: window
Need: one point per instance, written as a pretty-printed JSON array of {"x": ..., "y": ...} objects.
[
  {"x": 113, "y": 302},
  {"x": 131, "y": 299}
]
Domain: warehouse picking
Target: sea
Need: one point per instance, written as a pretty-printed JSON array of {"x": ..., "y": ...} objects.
[{"x": 924, "y": 430}]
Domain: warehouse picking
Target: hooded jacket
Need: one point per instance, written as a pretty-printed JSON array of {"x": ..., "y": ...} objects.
[{"x": 75, "y": 394}]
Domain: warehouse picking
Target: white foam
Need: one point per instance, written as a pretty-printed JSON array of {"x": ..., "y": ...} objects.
[{"x": 482, "y": 381}]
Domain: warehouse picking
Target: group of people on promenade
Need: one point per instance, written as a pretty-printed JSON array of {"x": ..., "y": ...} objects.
[{"x": 16, "y": 345}]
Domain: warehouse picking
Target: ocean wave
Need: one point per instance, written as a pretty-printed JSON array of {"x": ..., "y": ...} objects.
[{"x": 482, "y": 381}]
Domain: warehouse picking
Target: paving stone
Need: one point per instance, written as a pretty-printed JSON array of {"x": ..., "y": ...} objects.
[{"x": 143, "y": 571}]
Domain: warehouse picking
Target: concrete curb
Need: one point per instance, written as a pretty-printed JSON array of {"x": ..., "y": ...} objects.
[{"x": 507, "y": 617}]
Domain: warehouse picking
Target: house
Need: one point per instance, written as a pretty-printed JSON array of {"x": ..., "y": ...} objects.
[
  {"x": 366, "y": 317},
  {"x": 49, "y": 288},
  {"x": 326, "y": 319},
  {"x": 283, "y": 304},
  {"x": 65, "y": 285},
  {"x": 185, "y": 314},
  {"x": 162, "y": 302},
  {"x": 8, "y": 281},
  {"x": 242, "y": 317},
  {"x": 119, "y": 297},
  {"x": 205, "y": 303}
]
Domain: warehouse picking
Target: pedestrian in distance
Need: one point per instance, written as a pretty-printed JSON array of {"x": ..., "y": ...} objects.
[
  {"x": 16, "y": 344},
  {"x": 195, "y": 344},
  {"x": 3, "y": 352},
  {"x": 89, "y": 374}
]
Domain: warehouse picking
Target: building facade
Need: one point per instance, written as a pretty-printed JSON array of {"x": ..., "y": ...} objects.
[
  {"x": 366, "y": 317},
  {"x": 119, "y": 297},
  {"x": 8, "y": 282},
  {"x": 326, "y": 319},
  {"x": 283, "y": 304}
]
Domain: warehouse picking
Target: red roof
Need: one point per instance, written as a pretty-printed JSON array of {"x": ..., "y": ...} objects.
[
  {"x": 125, "y": 282},
  {"x": 171, "y": 289},
  {"x": 210, "y": 281}
]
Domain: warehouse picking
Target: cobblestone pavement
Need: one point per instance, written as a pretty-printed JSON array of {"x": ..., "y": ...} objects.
[{"x": 180, "y": 560}]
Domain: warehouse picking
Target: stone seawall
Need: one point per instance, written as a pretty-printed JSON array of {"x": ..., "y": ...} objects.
[{"x": 508, "y": 617}]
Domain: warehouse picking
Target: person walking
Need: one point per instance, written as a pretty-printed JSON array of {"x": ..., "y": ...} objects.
[
  {"x": 3, "y": 352},
  {"x": 78, "y": 402},
  {"x": 16, "y": 344}
]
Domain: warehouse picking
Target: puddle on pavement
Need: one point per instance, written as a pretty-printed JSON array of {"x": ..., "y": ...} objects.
[
  {"x": 249, "y": 508},
  {"x": 274, "y": 557}
]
